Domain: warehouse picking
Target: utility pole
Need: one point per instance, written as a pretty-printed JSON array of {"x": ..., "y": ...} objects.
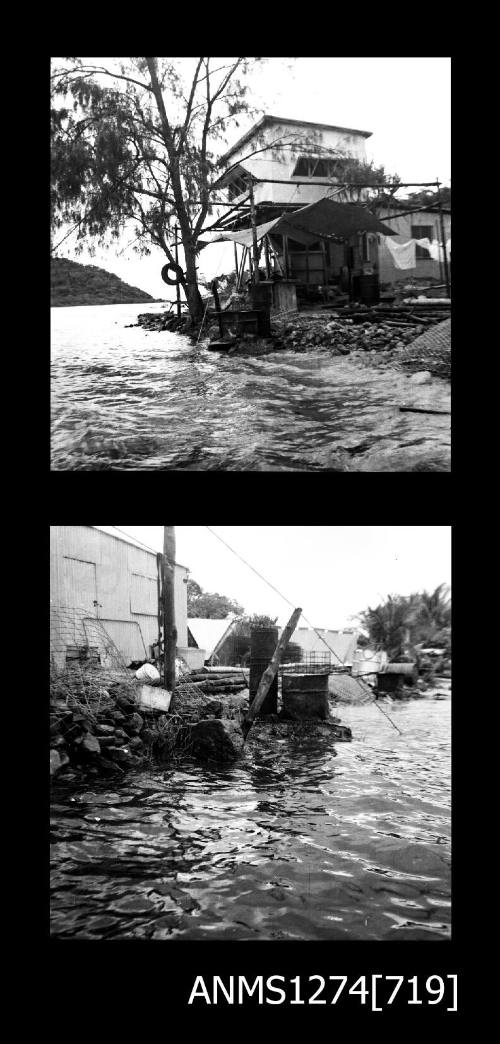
[
  {"x": 445, "y": 259},
  {"x": 254, "y": 236},
  {"x": 168, "y": 608}
]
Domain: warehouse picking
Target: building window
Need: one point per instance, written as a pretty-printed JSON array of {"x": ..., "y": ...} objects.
[
  {"x": 422, "y": 232},
  {"x": 236, "y": 188},
  {"x": 314, "y": 167}
]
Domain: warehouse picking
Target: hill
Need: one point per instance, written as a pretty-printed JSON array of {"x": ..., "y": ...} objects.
[{"x": 75, "y": 284}]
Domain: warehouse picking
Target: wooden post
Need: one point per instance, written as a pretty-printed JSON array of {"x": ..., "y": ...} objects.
[
  {"x": 325, "y": 272},
  {"x": 159, "y": 591},
  {"x": 269, "y": 673},
  {"x": 254, "y": 235},
  {"x": 440, "y": 259},
  {"x": 177, "y": 285},
  {"x": 445, "y": 259},
  {"x": 217, "y": 306},
  {"x": 168, "y": 608},
  {"x": 268, "y": 263},
  {"x": 285, "y": 256},
  {"x": 236, "y": 265}
]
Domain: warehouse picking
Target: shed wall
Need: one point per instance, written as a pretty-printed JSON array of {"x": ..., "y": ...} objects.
[{"x": 114, "y": 581}]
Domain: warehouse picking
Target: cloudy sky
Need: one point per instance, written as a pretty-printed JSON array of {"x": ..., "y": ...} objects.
[
  {"x": 332, "y": 572},
  {"x": 404, "y": 102}
]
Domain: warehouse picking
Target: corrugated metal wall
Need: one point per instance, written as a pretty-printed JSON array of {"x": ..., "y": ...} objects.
[{"x": 89, "y": 566}]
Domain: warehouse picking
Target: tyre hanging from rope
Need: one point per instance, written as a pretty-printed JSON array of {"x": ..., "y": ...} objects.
[{"x": 179, "y": 274}]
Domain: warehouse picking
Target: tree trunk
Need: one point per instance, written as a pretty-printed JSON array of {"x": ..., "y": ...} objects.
[{"x": 193, "y": 296}]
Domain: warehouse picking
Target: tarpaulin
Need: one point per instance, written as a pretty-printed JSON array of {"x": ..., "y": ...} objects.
[
  {"x": 328, "y": 218},
  {"x": 243, "y": 236}
]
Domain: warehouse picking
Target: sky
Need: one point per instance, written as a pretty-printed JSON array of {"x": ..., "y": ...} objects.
[
  {"x": 331, "y": 572},
  {"x": 404, "y": 102}
]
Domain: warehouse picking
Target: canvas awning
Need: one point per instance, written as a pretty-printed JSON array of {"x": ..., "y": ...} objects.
[
  {"x": 323, "y": 219},
  {"x": 243, "y": 236}
]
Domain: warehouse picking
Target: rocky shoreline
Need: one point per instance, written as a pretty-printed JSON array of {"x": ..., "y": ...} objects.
[
  {"x": 410, "y": 347},
  {"x": 99, "y": 726}
]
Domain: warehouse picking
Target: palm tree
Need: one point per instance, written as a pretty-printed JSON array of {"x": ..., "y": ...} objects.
[
  {"x": 389, "y": 624},
  {"x": 434, "y": 616}
]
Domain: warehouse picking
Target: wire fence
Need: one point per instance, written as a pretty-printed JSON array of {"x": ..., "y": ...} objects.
[{"x": 84, "y": 659}]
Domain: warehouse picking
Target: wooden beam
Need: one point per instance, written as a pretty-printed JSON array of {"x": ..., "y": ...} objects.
[
  {"x": 254, "y": 235},
  {"x": 270, "y": 672}
]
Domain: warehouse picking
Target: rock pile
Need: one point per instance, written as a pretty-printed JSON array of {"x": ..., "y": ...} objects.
[
  {"x": 341, "y": 335},
  {"x": 105, "y": 735},
  {"x": 98, "y": 730}
]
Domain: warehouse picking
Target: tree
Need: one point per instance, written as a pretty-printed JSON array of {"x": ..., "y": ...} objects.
[
  {"x": 403, "y": 622},
  {"x": 244, "y": 626},
  {"x": 429, "y": 197},
  {"x": 433, "y": 624},
  {"x": 363, "y": 180},
  {"x": 134, "y": 143},
  {"x": 210, "y": 605},
  {"x": 388, "y": 624}
]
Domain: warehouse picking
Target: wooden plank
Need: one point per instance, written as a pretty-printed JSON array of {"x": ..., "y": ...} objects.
[{"x": 270, "y": 672}]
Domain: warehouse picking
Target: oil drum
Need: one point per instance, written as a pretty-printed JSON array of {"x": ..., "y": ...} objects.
[{"x": 305, "y": 696}]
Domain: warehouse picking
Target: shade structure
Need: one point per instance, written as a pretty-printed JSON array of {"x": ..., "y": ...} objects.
[
  {"x": 328, "y": 218},
  {"x": 323, "y": 219},
  {"x": 243, "y": 235}
]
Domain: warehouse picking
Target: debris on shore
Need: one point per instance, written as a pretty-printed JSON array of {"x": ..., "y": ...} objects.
[
  {"x": 101, "y": 724},
  {"x": 410, "y": 338}
]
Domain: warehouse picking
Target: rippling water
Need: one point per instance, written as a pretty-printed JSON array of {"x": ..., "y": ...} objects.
[
  {"x": 127, "y": 399},
  {"x": 289, "y": 843}
]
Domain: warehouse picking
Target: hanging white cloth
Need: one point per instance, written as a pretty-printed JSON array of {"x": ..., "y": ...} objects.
[{"x": 403, "y": 254}]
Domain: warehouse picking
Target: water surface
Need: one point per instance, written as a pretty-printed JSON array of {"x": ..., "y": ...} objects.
[
  {"x": 290, "y": 842},
  {"x": 124, "y": 398}
]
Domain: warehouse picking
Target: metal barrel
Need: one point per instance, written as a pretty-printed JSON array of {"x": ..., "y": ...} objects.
[
  {"x": 261, "y": 296},
  {"x": 305, "y": 696},
  {"x": 263, "y": 642},
  {"x": 369, "y": 288}
]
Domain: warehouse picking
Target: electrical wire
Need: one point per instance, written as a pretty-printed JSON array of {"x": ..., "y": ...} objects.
[
  {"x": 285, "y": 599},
  {"x": 269, "y": 584},
  {"x": 130, "y": 537}
]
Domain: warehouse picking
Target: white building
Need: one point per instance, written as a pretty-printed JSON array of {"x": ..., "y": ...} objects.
[
  {"x": 301, "y": 150},
  {"x": 101, "y": 583}
]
